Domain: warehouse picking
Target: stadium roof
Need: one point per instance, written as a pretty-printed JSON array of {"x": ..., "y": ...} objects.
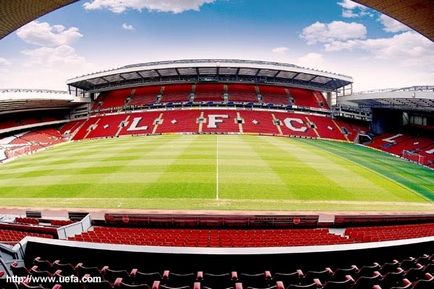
[
  {"x": 17, "y": 100},
  {"x": 415, "y": 98},
  {"x": 210, "y": 70},
  {"x": 16, "y": 13},
  {"x": 416, "y": 14},
  {"x": 410, "y": 104}
]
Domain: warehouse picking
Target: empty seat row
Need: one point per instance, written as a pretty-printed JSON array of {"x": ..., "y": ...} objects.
[
  {"x": 181, "y": 93},
  {"x": 385, "y": 233},
  {"x": 387, "y": 275},
  {"x": 211, "y": 238},
  {"x": 14, "y": 236}
]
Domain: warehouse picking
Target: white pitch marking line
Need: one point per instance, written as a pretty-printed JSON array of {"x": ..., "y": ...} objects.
[{"x": 217, "y": 170}]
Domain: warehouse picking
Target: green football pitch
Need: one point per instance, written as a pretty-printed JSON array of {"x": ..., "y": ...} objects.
[{"x": 216, "y": 172}]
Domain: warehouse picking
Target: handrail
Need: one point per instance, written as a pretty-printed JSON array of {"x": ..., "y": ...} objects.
[{"x": 75, "y": 228}]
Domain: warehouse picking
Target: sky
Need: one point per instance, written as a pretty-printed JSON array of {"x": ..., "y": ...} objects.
[{"x": 339, "y": 36}]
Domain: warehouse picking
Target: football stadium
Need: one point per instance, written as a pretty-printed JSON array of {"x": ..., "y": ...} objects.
[{"x": 215, "y": 173}]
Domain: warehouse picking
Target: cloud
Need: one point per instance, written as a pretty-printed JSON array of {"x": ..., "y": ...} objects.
[
  {"x": 128, "y": 27},
  {"x": 4, "y": 65},
  {"x": 4, "y": 62},
  {"x": 334, "y": 31},
  {"x": 44, "y": 34},
  {"x": 408, "y": 48},
  {"x": 55, "y": 45},
  {"x": 54, "y": 57},
  {"x": 280, "y": 50},
  {"x": 391, "y": 25},
  {"x": 351, "y": 5},
  {"x": 171, "y": 6},
  {"x": 51, "y": 57},
  {"x": 312, "y": 60},
  {"x": 352, "y": 9},
  {"x": 45, "y": 67}
]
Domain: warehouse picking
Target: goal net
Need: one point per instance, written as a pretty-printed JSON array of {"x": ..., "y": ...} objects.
[{"x": 415, "y": 157}]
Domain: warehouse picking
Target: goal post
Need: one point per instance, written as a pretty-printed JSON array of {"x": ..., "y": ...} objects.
[{"x": 415, "y": 157}]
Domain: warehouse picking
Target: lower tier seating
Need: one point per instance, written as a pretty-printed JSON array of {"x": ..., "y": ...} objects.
[
  {"x": 214, "y": 121},
  {"x": 222, "y": 237},
  {"x": 28, "y": 142},
  {"x": 14, "y": 236},
  {"x": 251, "y": 238},
  {"x": 414, "y": 272},
  {"x": 211, "y": 238},
  {"x": 352, "y": 128},
  {"x": 385, "y": 233},
  {"x": 419, "y": 149}
]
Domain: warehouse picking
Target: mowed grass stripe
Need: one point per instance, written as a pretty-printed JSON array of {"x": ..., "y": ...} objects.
[
  {"x": 353, "y": 182},
  {"x": 75, "y": 152},
  {"x": 418, "y": 179},
  {"x": 74, "y": 178},
  {"x": 313, "y": 180},
  {"x": 57, "y": 167},
  {"x": 175, "y": 145},
  {"x": 179, "y": 180},
  {"x": 237, "y": 178},
  {"x": 182, "y": 167}
]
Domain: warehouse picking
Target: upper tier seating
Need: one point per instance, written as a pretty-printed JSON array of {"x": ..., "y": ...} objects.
[
  {"x": 242, "y": 93},
  {"x": 275, "y": 95},
  {"x": 307, "y": 98},
  {"x": 211, "y": 238},
  {"x": 365, "y": 275},
  {"x": 115, "y": 99},
  {"x": 25, "y": 120},
  {"x": 176, "y": 93},
  {"x": 209, "y": 93},
  {"x": 143, "y": 96}
]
